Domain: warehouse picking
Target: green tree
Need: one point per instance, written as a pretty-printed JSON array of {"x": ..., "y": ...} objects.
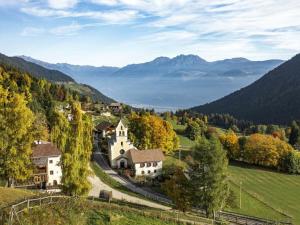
[
  {"x": 193, "y": 130},
  {"x": 294, "y": 134},
  {"x": 208, "y": 175},
  {"x": 76, "y": 155},
  {"x": 16, "y": 137}
]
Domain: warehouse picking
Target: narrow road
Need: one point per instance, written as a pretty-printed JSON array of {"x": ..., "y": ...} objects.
[
  {"x": 98, "y": 185},
  {"x": 98, "y": 157}
]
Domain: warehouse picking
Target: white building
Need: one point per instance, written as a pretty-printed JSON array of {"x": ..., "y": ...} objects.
[
  {"x": 122, "y": 154},
  {"x": 46, "y": 158}
]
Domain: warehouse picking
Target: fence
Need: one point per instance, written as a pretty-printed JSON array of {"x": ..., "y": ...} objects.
[
  {"x": 11, "y": 216},
  {"x": 247, "y": 220}
]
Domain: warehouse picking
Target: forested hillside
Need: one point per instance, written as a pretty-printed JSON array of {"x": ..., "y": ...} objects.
[
  {"x": 39, "y": 71},
  {"x": 34, "y": 69},
  {"x": 36, "y": 109},
  {"x": 275, "y": 98}
]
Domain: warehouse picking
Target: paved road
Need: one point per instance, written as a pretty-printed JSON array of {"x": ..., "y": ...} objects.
[
  {"x": 98, "y": 157},
  {"x": 98, "y": 185}
]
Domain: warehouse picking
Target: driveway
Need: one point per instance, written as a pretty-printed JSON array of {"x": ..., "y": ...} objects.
[
  {"x": 98, "y": 185},
  {"x": 101, "y": 161}
]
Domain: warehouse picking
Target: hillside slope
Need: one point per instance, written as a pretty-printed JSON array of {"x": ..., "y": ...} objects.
[
  {"x": 274, "y": 98},
  {"x": 34, "y": 69},
  {"x": 39, "y": 71}
]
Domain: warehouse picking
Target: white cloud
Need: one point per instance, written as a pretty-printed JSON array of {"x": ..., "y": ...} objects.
[
  {"x": 62, "y": 4},
  {"x": 71, "y": 29},
  {"x": 32, "y": 31}
]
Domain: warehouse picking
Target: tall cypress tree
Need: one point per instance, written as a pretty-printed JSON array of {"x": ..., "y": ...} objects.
[{"x": 208, "y": 175}]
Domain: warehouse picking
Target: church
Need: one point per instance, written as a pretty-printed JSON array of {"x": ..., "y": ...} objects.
[{"x": 123, "y": 154}]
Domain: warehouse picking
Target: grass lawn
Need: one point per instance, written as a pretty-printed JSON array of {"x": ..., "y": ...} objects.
[
  {"x": 11, "y": 195},
  {"x": 77, "y": 212},
  {"x": 278, "y": 190}
]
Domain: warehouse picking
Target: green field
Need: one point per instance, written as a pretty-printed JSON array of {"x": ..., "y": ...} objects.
[
  {"x": 265, "y": 194},
  {"x": 11, "y": 195},
  {"x": 277, "y": 190},
  {"x": 78, "y": 212}
]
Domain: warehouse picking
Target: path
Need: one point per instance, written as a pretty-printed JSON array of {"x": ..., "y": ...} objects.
[
  {"x": 98, "y": 157},
  {"x": 98, "y": 185}
]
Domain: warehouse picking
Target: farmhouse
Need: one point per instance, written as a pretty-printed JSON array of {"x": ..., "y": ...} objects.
[
  {"x": 122, "y": 154},
  {"x": 46, "y": 158}
]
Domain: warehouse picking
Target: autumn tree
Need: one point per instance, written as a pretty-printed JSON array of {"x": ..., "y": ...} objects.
[
  {"x": 230, "y": 143},
  {"x": 265, "y": 150},
  {"x": 176, "y": 187},
  {"x": 208, "y": 175},
  {"x": 150, "y": 132},
  {"x": 16, "y": 121}
]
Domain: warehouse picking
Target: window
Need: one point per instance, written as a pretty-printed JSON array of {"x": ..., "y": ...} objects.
[
  {"x": 149, "y": 171},
  {"x": 154, "y": 171},
  {"x": 122, "y": 151},
  {"x": 148, "y": 164},
  {"x": 142, "y": 165},
  {"x": 51, "y": 161},
  {"x": 143, "y": 172},
  {"x": 123, "y": 133},
  {"x": 121, "y": 127},
  {"x": 122, "y": 143},
  {"x": 155, "y": 164},
  {"x": 51, "y": 172},
  {"x": 120, "y": 133}
]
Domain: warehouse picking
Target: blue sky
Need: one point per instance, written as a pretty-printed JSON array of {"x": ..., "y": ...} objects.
[{"x": 120, "y": 32}]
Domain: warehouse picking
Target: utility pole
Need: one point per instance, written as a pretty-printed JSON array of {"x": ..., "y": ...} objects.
[{"x": 241, "y": 194}]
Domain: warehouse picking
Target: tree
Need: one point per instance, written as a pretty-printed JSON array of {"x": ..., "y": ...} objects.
[
  {"x": 265, "y": 150},
  {"x": 176, "y": 187},
  {"x": 76, "y": 155},
  {"x": 291, "y": 162},
  {"x": 230, "y": 142},
  {"x": 208, "y": 175},
  {"x": 295, "y": 133},
  {"x": 16, "y": 137},
  {"x": 193, "y": 130},
  {"x": 150, "y": 132}
]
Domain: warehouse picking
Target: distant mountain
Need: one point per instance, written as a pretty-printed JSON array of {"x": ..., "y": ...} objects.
[
  {"x": 39, "y": 71},
  {"x": 192, "y": 64},
  {"x": 274, "y": 98},
  {"x": 169, "y": 83},
  {"x": 34, "y": 69},
  {"x": 79, "y": 73}
]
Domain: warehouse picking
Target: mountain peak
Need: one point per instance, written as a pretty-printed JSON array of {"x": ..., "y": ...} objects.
[{"x": 190, "y": 59}]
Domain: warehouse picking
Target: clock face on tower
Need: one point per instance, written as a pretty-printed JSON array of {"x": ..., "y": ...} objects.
[{"x": 122, "y": 151}]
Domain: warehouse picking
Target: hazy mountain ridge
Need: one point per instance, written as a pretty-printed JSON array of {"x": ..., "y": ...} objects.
[
  {"x": 180, "y": 82},
  {"x": 274, "y": 98}
]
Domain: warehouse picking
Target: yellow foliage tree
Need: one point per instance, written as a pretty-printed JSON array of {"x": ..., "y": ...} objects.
[
  {"x": 265, "y": 150},
  {"x": 230, "y": 142},
  {"x": 150, "y": 132}
]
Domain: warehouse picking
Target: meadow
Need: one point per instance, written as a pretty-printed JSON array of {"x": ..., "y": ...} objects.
[{"x": 265, "y": 193}]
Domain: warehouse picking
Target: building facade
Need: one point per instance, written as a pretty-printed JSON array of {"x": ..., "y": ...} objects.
[
  {"x": 46, "y": 158},
  {"x": 122, "y": 154}
]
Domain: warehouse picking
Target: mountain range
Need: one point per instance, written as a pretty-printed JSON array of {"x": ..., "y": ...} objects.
[
  {"x": 274, "y": 98},
  {"x": 52, "y": 75},
  {"x": 168, "y": 83}
]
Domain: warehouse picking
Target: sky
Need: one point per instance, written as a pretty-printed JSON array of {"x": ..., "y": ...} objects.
[{"x": 121, "y": 32}]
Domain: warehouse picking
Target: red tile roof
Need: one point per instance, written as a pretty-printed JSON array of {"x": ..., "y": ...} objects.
[
  {"x": 151, "y": 155},
  {"x": 45, "y": 150}
]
